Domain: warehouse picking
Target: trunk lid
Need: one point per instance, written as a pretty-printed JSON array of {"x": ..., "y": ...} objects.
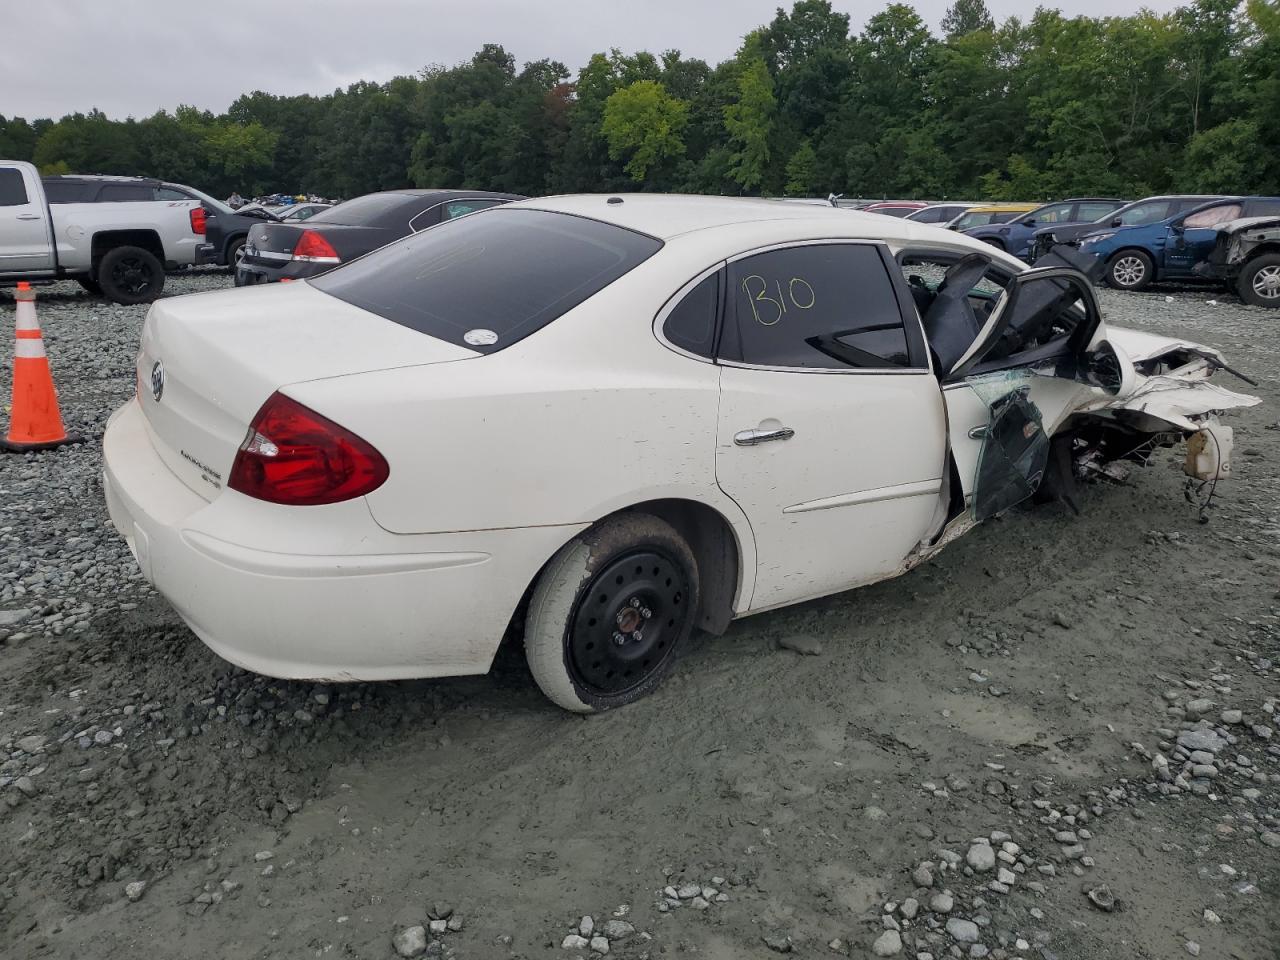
[{"x": 209, "y": 361}]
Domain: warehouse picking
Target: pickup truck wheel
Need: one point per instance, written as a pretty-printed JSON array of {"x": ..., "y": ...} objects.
[
  {"x": 130, "y": 275},
  {"x": 609, "y": 612},
  {"x": 92, "y": 286},
  {"x": 1130, "y": 270},
  {"x": 1259, "y": 282}
]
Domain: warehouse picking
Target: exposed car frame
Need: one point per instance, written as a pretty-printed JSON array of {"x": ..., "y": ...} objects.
[{"x": 1246, "y": 256}]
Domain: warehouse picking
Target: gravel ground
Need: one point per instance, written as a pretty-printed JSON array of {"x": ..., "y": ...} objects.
[{"x": 1055, "y": 740}]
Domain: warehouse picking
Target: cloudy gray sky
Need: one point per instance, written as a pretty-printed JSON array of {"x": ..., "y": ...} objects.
[{"x": 133, "y": 57}]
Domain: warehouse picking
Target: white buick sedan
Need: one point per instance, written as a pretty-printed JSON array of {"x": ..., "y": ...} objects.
[{"x": 605, "y": 421}]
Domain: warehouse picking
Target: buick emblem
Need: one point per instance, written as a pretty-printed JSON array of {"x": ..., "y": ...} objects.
[{"x": 157, "y": 381}]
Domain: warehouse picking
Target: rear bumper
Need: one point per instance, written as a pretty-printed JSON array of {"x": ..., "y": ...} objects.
[
  {"x": 318, "y": 593},
  {"x": 251, "y": 272},
  {"x": 206, "y": 253}
]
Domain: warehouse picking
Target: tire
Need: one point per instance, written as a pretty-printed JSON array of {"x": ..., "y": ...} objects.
[
  {"x": 235, "y": 253},
  {"x": 1130, "y": 270},
  {"x": 1259, "y": 281},
  {"x": 130, "y": 275},
  {"x": 998, "y": 244},
  {"x": 90, "y": 286},
  {"x": 644, "y": 579}
]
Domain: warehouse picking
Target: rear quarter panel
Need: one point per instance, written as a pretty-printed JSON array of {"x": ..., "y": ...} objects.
[{"x": 588, "y": 415}]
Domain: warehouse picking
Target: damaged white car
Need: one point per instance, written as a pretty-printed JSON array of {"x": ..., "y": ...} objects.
[{"x": 601, "y": 422}]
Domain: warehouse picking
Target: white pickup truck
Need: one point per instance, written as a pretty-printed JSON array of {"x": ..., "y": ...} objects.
[{"x": 119, "y": 248}]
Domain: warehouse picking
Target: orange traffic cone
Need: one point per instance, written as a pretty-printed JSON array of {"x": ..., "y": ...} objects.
[{"x": 34, "y": 420}]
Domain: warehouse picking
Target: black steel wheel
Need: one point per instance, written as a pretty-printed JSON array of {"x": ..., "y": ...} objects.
[
  {"x": 610, "y": 611},
  {"x": 130, "y": 275},
  {"x": 626, "y": 622}
]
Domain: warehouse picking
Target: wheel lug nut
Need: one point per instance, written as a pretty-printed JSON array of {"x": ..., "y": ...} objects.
[
  {"x": 637, "y": 636},
  {"x": 635, "y": 602},
  {"x": 618, "y": 638},
  {"x": 646, "y": 612}
]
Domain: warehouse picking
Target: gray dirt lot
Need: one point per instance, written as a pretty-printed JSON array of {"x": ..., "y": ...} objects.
[{"x": 1022, "y": 689}]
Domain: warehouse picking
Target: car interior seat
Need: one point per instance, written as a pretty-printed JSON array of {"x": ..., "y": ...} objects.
[{"x": 950, "y": 322}]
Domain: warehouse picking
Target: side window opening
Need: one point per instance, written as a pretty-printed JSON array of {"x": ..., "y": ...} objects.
[
  {"x": 460, "y": 208},
  {"x": 818, "y": 306},
  {"x": 13, "y": 192},
  {"x": 691, "y": 325},
  {"x": 1096, "y": 210},
  {"x": 1264, "y": 208}
]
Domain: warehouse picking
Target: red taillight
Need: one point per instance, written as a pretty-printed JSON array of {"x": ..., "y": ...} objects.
[
  {"x": 197, "y": 220},
  {"x": 312, "y": 246},
  {"x": 292, "y": 455}
]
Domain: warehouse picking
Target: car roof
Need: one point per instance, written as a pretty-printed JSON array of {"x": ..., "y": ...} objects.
[
  {"x": 99, "y": 178},
  {"x": 438, "y": 192},
  {"x": 1185, "y": 196},
  {"x": 1005, "y": 208},
  {"x": 668, "y": 215}
]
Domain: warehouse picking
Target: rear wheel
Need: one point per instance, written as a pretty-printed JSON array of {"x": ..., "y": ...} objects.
[
  {"x": 1130, "y": 270},
  {"x": 235, "y": 253},
  {"x": 609, "y": 613},
  {"x": 1259, "y": 282},
  {"x": 998, "y": 244},
  {"x": 130, "y": 275}
]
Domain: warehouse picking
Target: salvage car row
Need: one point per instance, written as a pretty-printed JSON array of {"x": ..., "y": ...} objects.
[
  {"x": 117, "y": 235},
  {"x": 1231, "y": 240},
  {"x": 1134, "y": 244},
  {"x": 600, "y": 422}
]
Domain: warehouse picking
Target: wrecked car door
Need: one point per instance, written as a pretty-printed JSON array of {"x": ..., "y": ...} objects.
[
  {"x": 831, "y": 433},
  {"x": 1023, "y": 373},
  {"x": 1192, "y": 238}
]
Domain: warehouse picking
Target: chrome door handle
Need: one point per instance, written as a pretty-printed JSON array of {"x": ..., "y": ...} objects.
[
  {"x": 749, "y": 438},
  {"x": 28, "y": 216}
]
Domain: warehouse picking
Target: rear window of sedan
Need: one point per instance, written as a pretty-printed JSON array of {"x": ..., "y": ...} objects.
[
  {"x": 488, "y": 281},
  {"x": 362, "y": 211}
]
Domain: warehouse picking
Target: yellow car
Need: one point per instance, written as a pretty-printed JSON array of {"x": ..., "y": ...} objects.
[{"x": 994, "y": 213}]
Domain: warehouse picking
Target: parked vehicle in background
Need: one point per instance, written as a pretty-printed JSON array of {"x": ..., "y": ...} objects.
[
  {"x": 298, "y": 212},
  {"x": 1246, "y": 256},
  {"x": 291, "y": 251},
  {"x": 1015, "y": 236},
  {"x": 584, "y": 418},
  {"x": 225, "y": 229},
  {"x": 1147, "y": 210},
  {"x": 939, "y": 213},
  {"x": 984, "y": 214},
  {"x": 110, "y": 234},
  {"x": 895, "y": 208},
  {"x": 1135, "y": 257}
]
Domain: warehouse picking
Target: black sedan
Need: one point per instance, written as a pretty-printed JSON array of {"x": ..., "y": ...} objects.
[
  {"x": 293, "y": 251},
  {"x": 225, "y": 229}
]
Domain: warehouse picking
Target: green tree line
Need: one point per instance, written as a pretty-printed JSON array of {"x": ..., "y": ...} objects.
[{"x": 1024, "y": 109}]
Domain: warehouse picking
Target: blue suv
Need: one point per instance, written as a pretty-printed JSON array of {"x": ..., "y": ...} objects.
[
  {"x": 1169, "y": 249},
  {"x": 1016, "y": 236}
]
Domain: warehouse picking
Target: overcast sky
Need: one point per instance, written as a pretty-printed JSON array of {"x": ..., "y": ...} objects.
[{"x": 133, "y": 57}]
